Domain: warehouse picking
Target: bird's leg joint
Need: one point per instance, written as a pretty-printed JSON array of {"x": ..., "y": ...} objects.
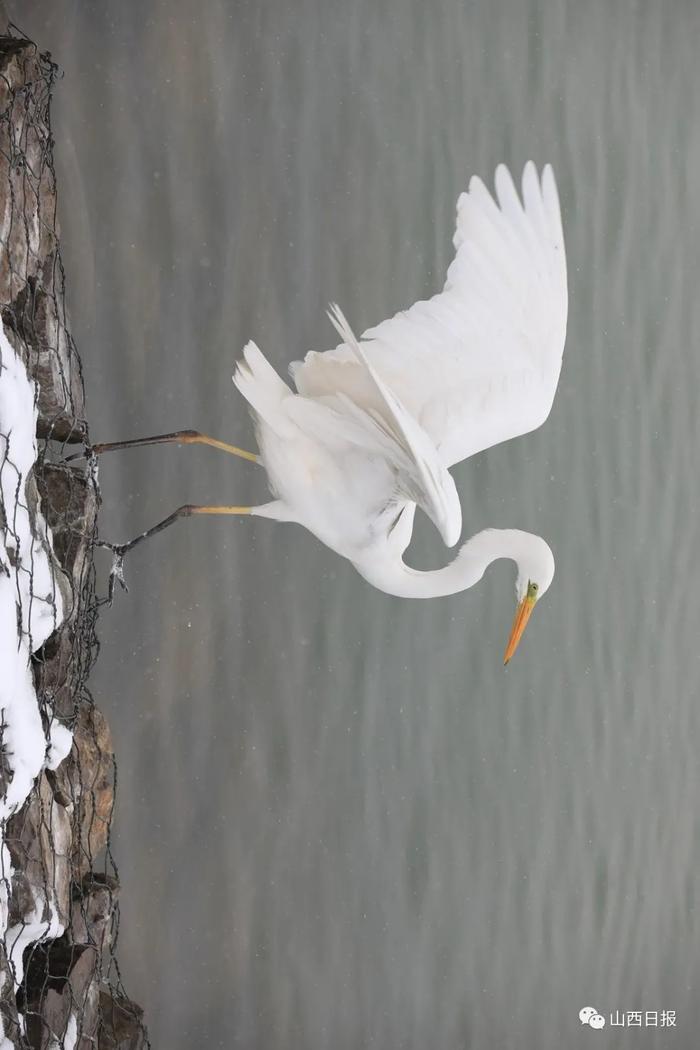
[{"x": 120, "y": 550}]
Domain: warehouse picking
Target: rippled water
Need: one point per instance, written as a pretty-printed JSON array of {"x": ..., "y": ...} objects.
[{"x": 341, "y": 823}]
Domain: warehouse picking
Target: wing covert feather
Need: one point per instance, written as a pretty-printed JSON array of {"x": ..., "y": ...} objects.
[{"x": 479, "y": 362}]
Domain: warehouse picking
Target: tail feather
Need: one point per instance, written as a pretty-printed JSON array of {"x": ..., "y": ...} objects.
[{"x": 262, "y": 388}]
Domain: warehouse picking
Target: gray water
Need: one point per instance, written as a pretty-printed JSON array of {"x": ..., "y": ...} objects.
[{"x": 341, "y": 823}]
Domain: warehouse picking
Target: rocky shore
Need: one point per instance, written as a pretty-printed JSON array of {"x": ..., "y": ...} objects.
[{"x": 59, "y": 984}]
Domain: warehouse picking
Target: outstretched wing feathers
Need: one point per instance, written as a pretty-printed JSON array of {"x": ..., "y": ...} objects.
[
  {"x": 478, "y": 363},
  {"x": 435, "y": 490}
]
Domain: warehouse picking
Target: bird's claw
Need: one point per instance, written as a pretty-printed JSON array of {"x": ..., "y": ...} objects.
[
  {"x": 117, "y": 570},
  {"x": 116, "y": 573}
]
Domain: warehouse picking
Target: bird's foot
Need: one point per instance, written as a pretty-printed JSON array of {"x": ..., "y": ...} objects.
[
  {"x": 116, "y": 573},
  {"x": 120, "y": 550}
]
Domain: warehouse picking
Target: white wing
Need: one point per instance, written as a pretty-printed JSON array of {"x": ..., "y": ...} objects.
[
  {"x": 415, "y": 472},
  {"x": 479, "y": 363},
  {"x": 435, "y": 489}
]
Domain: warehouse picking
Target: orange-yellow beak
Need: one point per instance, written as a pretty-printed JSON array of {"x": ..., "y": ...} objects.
[{"x": 522, "y": 615}]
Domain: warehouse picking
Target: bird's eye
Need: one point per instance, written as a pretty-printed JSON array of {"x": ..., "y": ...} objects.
[{"x": 534, "y": 586}]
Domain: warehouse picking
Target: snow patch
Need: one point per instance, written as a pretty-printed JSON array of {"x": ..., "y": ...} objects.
[
  {"x": 60, "y": 743},
  {"x": 69, "y": 1039},
  {"x": 34, "y": 928},
  {"x": 31, "y": 607}
]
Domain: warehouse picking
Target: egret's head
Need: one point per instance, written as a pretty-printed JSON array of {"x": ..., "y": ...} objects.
[{"x": 535, "y": 574}]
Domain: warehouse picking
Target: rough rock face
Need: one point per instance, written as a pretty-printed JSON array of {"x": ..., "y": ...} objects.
[
  {"x": 31, "y": 275},
  {"x": 61, "y": 890},
  {"x": 39, "y": 839},
  {"x": 85, "y": 784}
]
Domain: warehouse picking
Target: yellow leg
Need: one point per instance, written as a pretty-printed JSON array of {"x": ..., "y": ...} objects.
[
  {"x": 179, "y": 437},
  {"x": 119, "y": 550},
  {"x": 217, "y": 510}
]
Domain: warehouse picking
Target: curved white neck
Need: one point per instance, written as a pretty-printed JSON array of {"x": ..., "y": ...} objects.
[{"x": 389, "y": 573}]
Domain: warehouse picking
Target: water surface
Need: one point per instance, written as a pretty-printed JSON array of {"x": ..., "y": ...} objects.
[{"x": 341, "y": 823}]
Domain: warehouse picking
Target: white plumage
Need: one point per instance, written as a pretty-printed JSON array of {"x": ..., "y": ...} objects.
[
  {"x": 376, "y": 422},
  {"x": 479, "y": 362}
]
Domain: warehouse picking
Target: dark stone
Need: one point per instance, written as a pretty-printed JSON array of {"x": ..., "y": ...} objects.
[
  {"x": 87, "y": 779},
  {"x": 59, "y": 984},
  {"x": 69, "y": 503},
  {"x": 121, "y": 1024},
  {"x": 39, "y": 838},
  {"x": 62, "y": 994},
  {"x": 31, "y": 275},
  {"x": 92, "y": 908},
  {"x": 57, "y": 835},
  {"x": 57, "y": 671},
  {"x": 35, "y": 316},
  {"x": 8, "y": 1002}
]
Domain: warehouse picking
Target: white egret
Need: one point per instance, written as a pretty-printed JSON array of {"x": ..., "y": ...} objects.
[{"x": 375, "y": 423}]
